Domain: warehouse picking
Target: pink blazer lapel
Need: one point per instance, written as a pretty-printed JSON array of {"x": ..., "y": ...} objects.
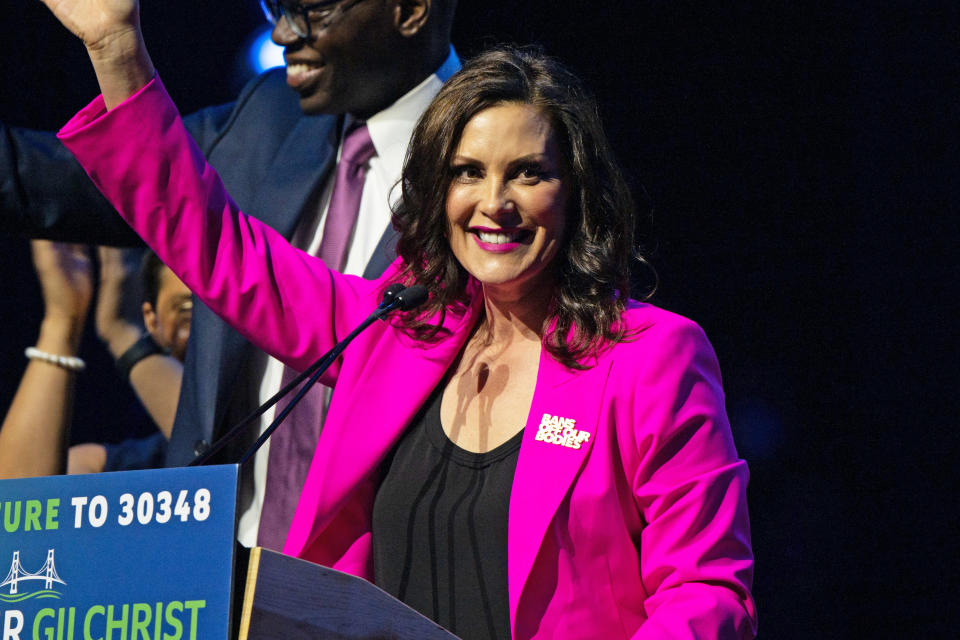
[
  {"x": 377, "y": 398},
  {"x": 559, "y": 435}
]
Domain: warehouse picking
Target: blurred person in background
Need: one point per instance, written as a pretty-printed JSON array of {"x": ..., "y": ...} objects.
[
  {"x": 151, "y": 361},
  {"x": 36, "y": 429}
]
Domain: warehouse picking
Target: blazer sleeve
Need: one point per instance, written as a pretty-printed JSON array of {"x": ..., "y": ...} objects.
[
  {"x": 147, "y": 165},
  {"x": 689, "y": 487}
]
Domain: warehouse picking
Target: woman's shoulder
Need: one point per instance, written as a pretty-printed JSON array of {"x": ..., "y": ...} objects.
[
  {"x": 661, "y": 343},
  {"x": 646, "y": 323},
  {"x": 662, "y": 353}
]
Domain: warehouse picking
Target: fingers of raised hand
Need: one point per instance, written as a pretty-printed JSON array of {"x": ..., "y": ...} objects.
[
  {"x": 64, "y": 271},
  {"x": 95, "y": 21}
]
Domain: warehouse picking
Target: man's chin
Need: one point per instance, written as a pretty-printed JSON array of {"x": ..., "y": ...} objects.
[{"x": 317, "y": 104}]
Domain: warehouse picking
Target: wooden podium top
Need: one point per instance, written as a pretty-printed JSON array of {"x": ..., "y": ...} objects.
[{"x": 291, "y": 599}]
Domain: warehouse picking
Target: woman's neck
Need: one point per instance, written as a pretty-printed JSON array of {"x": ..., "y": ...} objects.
[{"x": 509, "y": 319}]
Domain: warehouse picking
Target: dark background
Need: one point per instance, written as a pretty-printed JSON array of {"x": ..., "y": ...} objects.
[{"x": 799, "y": 161}]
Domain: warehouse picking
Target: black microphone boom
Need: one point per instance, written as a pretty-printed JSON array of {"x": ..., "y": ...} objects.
[{"x": 396, "y": 296}]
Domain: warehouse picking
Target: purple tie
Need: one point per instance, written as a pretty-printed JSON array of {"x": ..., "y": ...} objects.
[
  {"x": 345, "y": 200},
  {"x": 291, "y": 451},
  {"x": 293, "y": 443}
]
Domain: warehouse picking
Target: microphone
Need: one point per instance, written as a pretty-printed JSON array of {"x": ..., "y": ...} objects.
[
  {"x": 396, "y": 296},
  {"x": 390, "y": 294},
  {"x": 412, "y": 297}
]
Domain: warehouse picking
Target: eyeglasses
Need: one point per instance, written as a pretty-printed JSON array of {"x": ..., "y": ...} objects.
[{"x": 300, "y": 17}]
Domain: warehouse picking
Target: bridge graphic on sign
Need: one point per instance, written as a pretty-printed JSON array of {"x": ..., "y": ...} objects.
[{"x": 17, "y": 574}]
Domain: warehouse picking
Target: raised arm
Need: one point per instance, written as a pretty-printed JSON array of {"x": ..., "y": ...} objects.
[
  {"x": 155, "y": 378},
  {"x": 142, "y": 158},
  {"x": 43, "y": 191},
  {"x": 36, "y": 429}
]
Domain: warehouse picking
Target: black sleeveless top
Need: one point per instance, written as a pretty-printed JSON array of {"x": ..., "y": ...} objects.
[{"x": 440, "y": 527}]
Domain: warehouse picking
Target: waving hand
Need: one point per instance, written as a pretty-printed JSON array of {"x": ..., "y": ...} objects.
[
  {"x": 110, "y": 29},
  {"x": 96, "y": 22}
]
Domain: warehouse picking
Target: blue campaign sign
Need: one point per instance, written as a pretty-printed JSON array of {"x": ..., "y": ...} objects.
[{"x": 132, "y": 555}]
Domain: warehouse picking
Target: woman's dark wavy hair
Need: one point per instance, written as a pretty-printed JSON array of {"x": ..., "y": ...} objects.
[{"x": 593, "y": 266}]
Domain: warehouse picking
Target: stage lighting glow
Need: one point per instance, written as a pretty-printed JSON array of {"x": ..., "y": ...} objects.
[{"x": 262, "y": 53}]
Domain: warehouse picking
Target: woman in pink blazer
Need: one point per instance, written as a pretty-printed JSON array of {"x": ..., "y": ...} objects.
[{"x": 597, "y": 489}]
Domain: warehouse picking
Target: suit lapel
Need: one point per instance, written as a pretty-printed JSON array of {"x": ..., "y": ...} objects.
[
  {"x": 551, "y": 455},
  {"x": 383, "y": 255},
  {"x": 296, "y": 173}
]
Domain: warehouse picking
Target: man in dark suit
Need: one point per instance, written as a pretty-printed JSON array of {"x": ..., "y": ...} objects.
[{"x": 276, "y": 149}]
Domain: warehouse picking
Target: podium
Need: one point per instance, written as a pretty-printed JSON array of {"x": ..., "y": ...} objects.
[
  {"x": 151, "y": 555},
  {"x": 291, "y": 599}
]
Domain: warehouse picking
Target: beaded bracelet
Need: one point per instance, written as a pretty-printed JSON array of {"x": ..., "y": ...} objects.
[{"x": 70, "y": 363}]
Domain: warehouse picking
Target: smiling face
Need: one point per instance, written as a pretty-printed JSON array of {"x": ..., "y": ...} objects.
[
  {"x": 349, "y": 64},
  {"x": 507, "y": 202}
]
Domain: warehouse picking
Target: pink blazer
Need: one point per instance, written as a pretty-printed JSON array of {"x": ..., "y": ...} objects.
[{"x": 627, "y": 517}]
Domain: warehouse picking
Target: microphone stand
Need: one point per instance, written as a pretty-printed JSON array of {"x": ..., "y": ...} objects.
[{"x": 395, "y": 297}]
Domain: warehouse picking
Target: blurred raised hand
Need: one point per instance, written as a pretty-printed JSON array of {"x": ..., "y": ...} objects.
[
  {"x": 36, "y": 429},
  {"x": 66, "y": 283},
  {"x": 118, "y": 317}
]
